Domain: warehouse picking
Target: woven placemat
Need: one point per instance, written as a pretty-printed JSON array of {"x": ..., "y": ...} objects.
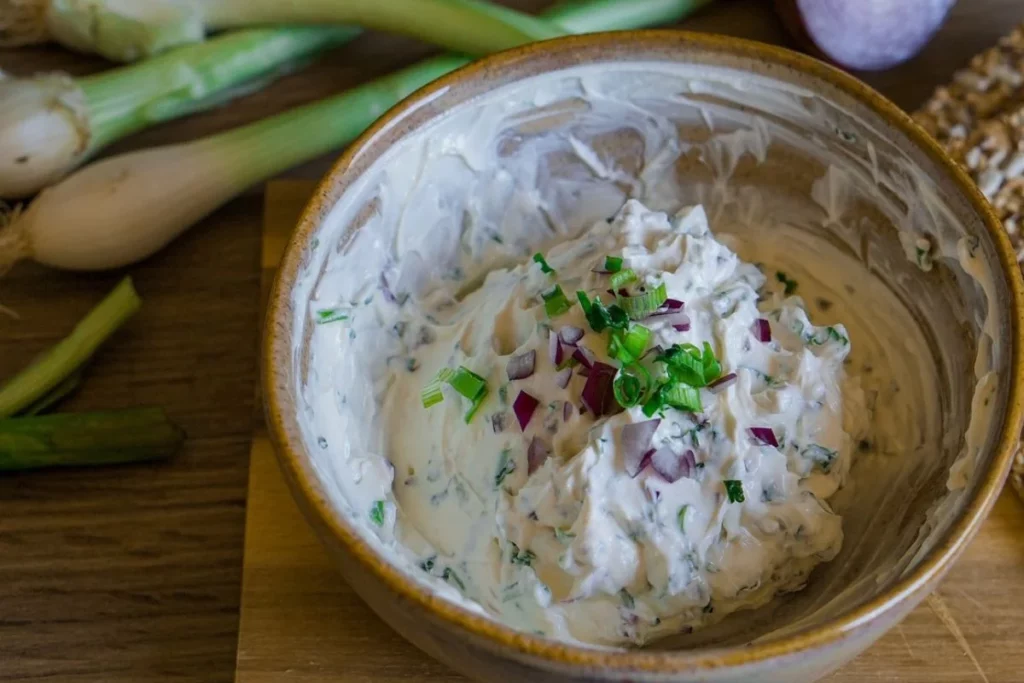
[{"x": 979, "y": 118}]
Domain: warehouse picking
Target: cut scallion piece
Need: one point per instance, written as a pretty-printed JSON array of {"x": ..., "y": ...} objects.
[
  {"x": 467, "y": 383},
  {"x": 612, "y": 264},
  {"x": 623, "y": 278},
  {"x": 682, "y": 397},
  {"x": 628, "y": 347},
  {"x": 544, "y": 267},
  {"x": 632, "y": 385},
  {"x": 431, "y": 394},
  {"x": 477, "y": 402},
  {"x": 555, "y": 302},
  {"x": 642, "y": 305},
  {"x": 734, "y": 489}
]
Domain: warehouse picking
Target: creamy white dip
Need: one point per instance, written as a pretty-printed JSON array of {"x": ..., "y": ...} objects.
[{"x": 440, "y": 276}]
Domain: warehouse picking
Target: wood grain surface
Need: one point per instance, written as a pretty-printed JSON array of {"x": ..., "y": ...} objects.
[
  {"x": 132, "y": 574},
  {"x": 300, "y": 623}
]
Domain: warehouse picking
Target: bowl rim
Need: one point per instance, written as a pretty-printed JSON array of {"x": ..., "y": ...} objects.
[{"x": 323, "y": 516}]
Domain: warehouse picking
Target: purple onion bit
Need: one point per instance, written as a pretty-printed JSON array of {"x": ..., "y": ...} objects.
[
  {"x": 554, "y": 349},
  {"x": 536, "y": 454},
  {"x": 636, "y": 444},
  {"x": 570, "y": 335},
  {"x": 597, "y": 393},
  {"x": 671, "y": 466},
  {"x": 566, "y": 411},
  {"x": 670, "y": 306},
  {"x": 562, "y": 377},
  {"x": 722, "y": 383},
  {"x": 765, "y": 435},
  {"x": 523, "y": 407},
  {"x": 584, "y": 356},
  {"x": 762, "y": 330},
  {"x": 521, "y": 366}
]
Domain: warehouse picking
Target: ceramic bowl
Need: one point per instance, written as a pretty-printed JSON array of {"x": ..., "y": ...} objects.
[{"x": 747, "y": 130}]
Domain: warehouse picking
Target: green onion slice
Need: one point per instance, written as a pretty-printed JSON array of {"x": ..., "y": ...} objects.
[
  {"x": 682, "y": 397},
  {"x": 734, "y": 489},
  {"x": 555, "y": 302},
  {"x": 642, "y": 305},
  {"x": 544, "y": 267},
  {"x": 431, "y": 394},
  {"x": 477, "y": 402},
  {"x": 623, "y": 278},
  {"x": 612, "y": 264},
  {"x": 467, "y": 383},
  {"x": 632, "y": 384},
  {"x": 629, "y": 346}
]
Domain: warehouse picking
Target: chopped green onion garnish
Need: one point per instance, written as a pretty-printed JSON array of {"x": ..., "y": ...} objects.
[
  {"x": 477, "y": 402},
  {"x": 734, "y": 489},
  {"x": 555, "y": 303},
  {"x": 623, "y": 278},
  {"x": 612, "y": 264},
  {"x": 712, "y": 368},
  {"x": 600, "y": 317},
  {"x": 688, "y": 363},
  {"x": 682, "y": 397},
  {"x": 544, "y": 267},
  {"x": 628, "y": 347},
  {"x": 330, "y": 315},
  {"x": 377, "y": 513},
  {"x": 431, "y": 394},
  {"x": 631, "y": 385},
  {"x": 654, "y": 404},
  {"x": 642, "y": 305},
  {"x": 467, "y": 383}
]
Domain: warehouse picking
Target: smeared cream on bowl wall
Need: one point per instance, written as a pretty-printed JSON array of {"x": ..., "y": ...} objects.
[{"x": 862, "y": 368}]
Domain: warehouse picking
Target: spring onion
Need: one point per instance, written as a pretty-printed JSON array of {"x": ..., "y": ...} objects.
[
  {"x": 544, "y": 267},
  {"x": 127, "y": 207},
  {"x": 51, "y": 123},
  {"x": 78, "y": 439},
  {"x": 682, "y": 397},
  {"x": 623, "y": 278},
  {"x": 631, "y": 385},
  {"x": 601, "y": 318},
  {"x": 734, "y": 489},
  {"x": 432, "y": 394},
  {"x": 555, "y": 303},
  {"x": 612, "y": 264},
  {"x": 642, "y": 305},
  {"x": 55, "y": 365},
  {"x": 139, "y": 29},
  {"x": 627, "y": 346}
]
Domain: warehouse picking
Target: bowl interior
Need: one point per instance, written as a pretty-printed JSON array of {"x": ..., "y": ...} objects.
[{"x": 800, "y": 174}]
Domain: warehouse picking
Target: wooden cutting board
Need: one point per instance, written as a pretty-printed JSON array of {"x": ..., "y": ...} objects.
[{"x": 300, "y": 623}]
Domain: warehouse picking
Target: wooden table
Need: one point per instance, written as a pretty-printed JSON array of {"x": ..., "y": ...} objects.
[{"x": 132, "y": 573}]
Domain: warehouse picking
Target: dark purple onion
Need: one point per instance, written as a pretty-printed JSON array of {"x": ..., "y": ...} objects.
[
  {"x": 566, "y": 411},
  {"x": 536, "y": 454},
  {"x": 597, "y": 393},
  {"x": 562, "y": 377},
  {"x": 523, "y": 407},
  {"x": 570, "y": 334},
  {"x": 636, "y": 444},
  {"x": 762, "y": 330},
  {"x": 554, "y": 349},
  {"x": 681, "y": 328},
  {"x": 670, "y": 306},
  {"x": 722, "y": 383},
  {"x": 671, "y": 466},
  {"x": 521, "y": 366},
  {"x": 765, "y": 435},
  {"x": 584, "y": 356},
  {"x": 386, "y": 290}
]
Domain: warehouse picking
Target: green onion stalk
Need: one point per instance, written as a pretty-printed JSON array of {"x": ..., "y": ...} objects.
[
  {"x": 127, "y": 30},
  {"x": 125, "y": 208},
  {"x": 51, "y": 123}
]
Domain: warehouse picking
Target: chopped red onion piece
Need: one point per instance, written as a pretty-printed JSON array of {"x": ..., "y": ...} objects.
[
  {"x": 523, "y": 407},
  {"x": 722, "y": 383},
  {"x": 554, "y": 349},
  {"x": 762, "y": 330},
  {"x": 765, "y": 435},
  {"x": 681, "y": 328},
  {"x": 597, "y": 393},
  {"x": 583, "y": 371},
  {"x": 636, "y": 444},
  {"x": 536, "y": 454},
  {"x": 521, "y": 366},
  {"x": 670, "y": 306},
  {"x": 562, "y": 377},
  {"x": 386, "y": 290},
  {"x": 671, "y": 466},
  {"x": 570, "y": 334},
  {"x": 584, "y": 356},
  {"x": 566, "y": 411}
]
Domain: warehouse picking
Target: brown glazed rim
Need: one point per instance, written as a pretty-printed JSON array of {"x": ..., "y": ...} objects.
[{"x": 277, "y": 355}]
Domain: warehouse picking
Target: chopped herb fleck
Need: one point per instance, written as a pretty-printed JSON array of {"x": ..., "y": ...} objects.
[
  {"x": 734, "y": 489},
  {"x": 450, "y": 576},
  {"x": 523, "y": 558},
  {"x": 544, "y": 267},
  {"x": 506, "y": 466},
  {"x": 411, "y": 364},
  {"x": 427, "y": 565},
  {"x": 681, "y": 517},
  {"x": 321, "y": 442},
  {"x": 836, "y": 335},
  {"x": 788, "y": 286},
  {"x": 377, "y": 513},
  {"x": 627, "y": 599},
  {"x": 330, "y": 315},
  {"x": 564, "y": 536},
  {"x": 821, "y": 456}
]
